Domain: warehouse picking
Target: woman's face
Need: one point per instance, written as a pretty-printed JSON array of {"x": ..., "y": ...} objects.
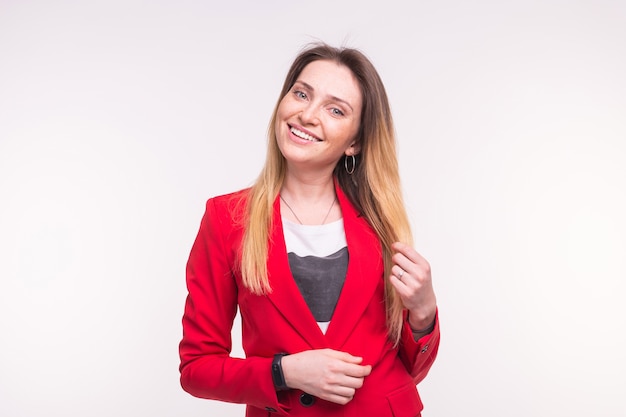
[{"x": 319, "y": 117}]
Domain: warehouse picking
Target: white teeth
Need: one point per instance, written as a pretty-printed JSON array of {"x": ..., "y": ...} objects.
[{"x": 303, "y": 135}]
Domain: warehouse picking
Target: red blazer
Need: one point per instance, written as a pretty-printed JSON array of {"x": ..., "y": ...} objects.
[{"x": 282, "y": 322}]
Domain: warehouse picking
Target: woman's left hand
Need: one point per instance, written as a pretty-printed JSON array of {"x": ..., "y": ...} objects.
[{"x": 411, "y": 279}]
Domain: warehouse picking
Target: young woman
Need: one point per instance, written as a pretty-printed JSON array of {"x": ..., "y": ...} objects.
[{"x": 338, "y": 310}]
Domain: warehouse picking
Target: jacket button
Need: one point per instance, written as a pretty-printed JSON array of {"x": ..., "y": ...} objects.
[{"x": 307, "y": 400}]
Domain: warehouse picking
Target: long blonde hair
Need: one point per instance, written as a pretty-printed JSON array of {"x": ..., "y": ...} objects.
[{"x": 373, "y": 188}]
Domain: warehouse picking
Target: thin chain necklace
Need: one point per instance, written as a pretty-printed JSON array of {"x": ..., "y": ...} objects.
[{"x": 296, "y": 216}]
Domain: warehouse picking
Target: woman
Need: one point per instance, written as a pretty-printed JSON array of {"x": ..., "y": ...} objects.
[{"x": 338, "y": 310}]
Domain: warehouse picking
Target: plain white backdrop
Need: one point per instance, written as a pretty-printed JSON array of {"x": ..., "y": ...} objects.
[{"x": 118, "y": 119}]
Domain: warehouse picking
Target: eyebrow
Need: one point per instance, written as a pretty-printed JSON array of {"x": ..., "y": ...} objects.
[{"x": 332, "y": 97}]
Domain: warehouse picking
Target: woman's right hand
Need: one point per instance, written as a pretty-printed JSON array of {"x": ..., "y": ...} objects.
[{"x": 327, "y": 374}]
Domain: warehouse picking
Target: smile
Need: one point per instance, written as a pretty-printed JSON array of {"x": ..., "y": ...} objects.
[{"x": 303, "y": 135}]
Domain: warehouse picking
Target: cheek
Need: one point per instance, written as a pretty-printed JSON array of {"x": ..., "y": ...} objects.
[
  {"x": 285, "y": 107},
  {"x": 281, "y": 113}
]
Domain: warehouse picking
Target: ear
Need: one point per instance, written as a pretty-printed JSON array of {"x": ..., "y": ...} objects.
[{"x": 354, "y": 149}]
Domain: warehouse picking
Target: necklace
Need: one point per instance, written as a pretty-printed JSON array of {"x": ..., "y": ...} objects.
[{"x": 296, "y": 216}]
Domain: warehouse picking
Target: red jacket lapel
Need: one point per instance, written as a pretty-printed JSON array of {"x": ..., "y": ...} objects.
[{"x": 363, "y": 276}]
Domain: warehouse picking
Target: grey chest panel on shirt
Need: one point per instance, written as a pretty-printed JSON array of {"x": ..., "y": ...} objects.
[{"x": 320, "y": 280}]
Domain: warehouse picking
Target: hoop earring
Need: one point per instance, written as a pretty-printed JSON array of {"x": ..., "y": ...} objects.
[{"x": 345, "y": 164}]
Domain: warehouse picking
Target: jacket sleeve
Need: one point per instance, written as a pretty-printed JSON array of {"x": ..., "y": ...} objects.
[
  {"x": 418, "y": 356},
  {"x": 207, "y": 369}
]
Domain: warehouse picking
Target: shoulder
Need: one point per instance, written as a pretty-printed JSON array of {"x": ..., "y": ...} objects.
[
  {"x": 230, "y": 200},
  {"x": 229, "y": 206}
]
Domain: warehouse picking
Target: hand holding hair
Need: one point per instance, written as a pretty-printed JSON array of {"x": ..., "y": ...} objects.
[{"x": 411, "y": 277}]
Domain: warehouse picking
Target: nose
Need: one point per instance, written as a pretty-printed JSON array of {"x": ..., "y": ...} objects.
[{"x": 309, "y": 114}]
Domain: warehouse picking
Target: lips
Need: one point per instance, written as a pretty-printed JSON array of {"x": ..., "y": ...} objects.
[{"x": 303, "y": 135}]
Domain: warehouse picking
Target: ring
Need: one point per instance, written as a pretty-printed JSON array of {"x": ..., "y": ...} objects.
[{"x": 400, "y": 274}]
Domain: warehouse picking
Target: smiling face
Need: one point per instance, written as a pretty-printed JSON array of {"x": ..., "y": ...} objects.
[{"x": 318, "y": 119}]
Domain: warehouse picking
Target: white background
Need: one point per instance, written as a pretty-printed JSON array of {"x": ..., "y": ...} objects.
[{"x": 118, "y": 119}]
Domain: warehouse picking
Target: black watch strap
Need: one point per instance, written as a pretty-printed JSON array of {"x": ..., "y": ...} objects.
[{"x": 277, "y": 372}]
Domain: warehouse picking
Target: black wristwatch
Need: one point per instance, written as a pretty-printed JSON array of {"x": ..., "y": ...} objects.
[{"x": 277, "y": 372}]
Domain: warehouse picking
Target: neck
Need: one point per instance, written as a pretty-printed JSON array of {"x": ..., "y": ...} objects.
[
  {"x": 309, "y": 201},
  {"x": 308, "y": 189}
]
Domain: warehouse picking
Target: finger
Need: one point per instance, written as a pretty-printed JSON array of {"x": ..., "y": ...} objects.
[
  {"x": 357, "y": 371},
  {"x": 354, "y": 383},
  {"x": 401, "y": 288},
  {"x": 344, "y": 391},
  {"x": 345, "y": 356},
  {"x": 409, "y": 252},
  {"x": 337, "y": 399},
  {"x": 404, "y": 276},
  {"x": 398, "y": 273},
  {"x": 412, "y": 272},
  {"x": 344, "y": 385},
  {"x": 402, "y": 263}
]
